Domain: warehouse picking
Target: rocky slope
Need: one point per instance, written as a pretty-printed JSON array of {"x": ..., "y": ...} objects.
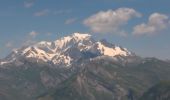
[
  {"x": 160, "y": 91},
  {"x": 105, "y": 79},
  {"x": 77, "y": 67}
]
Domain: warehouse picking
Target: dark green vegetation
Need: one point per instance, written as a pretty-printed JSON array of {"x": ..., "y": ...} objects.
[
  {"x": 160, "y": 91},
  {"x": 98, "y": 79}
]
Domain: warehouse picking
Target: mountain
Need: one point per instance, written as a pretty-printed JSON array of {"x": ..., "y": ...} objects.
[
  {"x": 168, "y": 61},
  {"x": 66, "y": 50},
  {"x": 105, "y": 79},
  {"x": 77, "y": 67},
  {"x": 160, "y": 91}
]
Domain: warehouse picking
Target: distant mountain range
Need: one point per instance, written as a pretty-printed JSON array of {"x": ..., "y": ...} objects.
[{"x": 77, "y": 67}]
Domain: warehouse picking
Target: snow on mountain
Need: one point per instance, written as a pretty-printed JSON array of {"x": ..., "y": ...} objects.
[
  {"x": 67, "y": 50},
  {"x": 109, "y": 51},
  {"x": 68, "y": 41}
]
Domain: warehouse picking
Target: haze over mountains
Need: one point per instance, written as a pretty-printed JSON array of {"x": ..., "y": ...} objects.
[{"x": 77, "y": 67}]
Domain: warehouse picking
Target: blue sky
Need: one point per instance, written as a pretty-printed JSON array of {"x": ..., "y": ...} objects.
[{"x": 142, "y": 26}]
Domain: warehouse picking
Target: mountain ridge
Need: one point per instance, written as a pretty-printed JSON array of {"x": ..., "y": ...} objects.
[
  {"x": 80, "y": 69},
  {"x": 63, "y": 48}
]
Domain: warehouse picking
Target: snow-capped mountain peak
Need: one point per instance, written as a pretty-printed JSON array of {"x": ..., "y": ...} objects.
[
  {"x": 68, "y": 49},
  {"x": 111, "y": 51},
  {"x": 64, "y": 42},
  {"x": 81, "y": 36}
]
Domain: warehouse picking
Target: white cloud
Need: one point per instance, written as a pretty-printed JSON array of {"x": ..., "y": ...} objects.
[
  {"x": 46, "y": 12},
  {"x": 48, "y": 34},
  {"x": 29, "y": 3},
  {"x": 156, "y": 23},
  {"x": 29, "y": 42},
  {"x": 70, "y": 21},
  {"x": 33, "y": 34},
  {"x": 60, "y": 12},
  {"x": 110, "y": 21},
  {"x": 8, "y": 45},
  {"x": 42, "y": 13}
]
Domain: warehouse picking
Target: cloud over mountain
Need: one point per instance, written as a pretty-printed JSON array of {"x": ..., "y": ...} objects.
[
  {"x": 33, "y": 34},
  {"x": 110, "y": 21},
  {"x": 42, "y": 13},
  {"x": 70, "y": 21},
  {"x": 156, "y": 23},
  {"x": 29, "y": 3}
]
